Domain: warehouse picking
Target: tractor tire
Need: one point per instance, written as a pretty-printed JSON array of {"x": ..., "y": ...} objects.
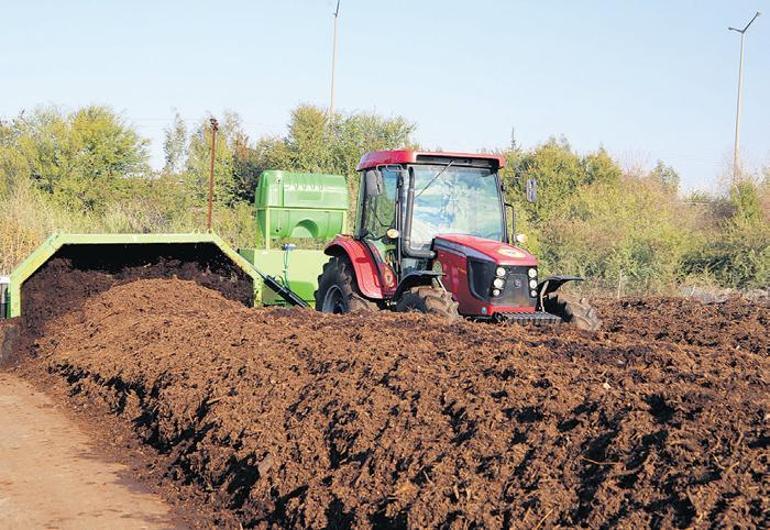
[
  {"x": 337, "y": 289},
  {"x": 430, "y": 300},
  {"x": 576, "y": 312}
]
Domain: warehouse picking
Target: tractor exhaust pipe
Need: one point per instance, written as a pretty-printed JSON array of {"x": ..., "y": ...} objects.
[{"x": 5, "y": 300}]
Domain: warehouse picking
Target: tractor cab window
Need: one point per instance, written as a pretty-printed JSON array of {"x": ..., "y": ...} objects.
[
  {"x": 459, "y": 200},
  {"x": 379, "y": 211}
]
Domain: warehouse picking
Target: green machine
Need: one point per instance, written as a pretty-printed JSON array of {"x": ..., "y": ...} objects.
[
  {"x": 296, "y": 214},
  {"x": 111, "y": 252}
]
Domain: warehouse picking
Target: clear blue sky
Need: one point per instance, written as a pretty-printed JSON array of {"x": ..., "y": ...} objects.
[{"x": 647, "y": 80}]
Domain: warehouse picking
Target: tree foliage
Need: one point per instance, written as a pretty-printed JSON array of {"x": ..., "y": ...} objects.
[
  {"x": 87, "y": 170},
  {"x": 80, "y": 158},
  {"x": 737, "y": 252},
  {"x": 316, "y": 144},
  {"x": 593, "y": 220}
]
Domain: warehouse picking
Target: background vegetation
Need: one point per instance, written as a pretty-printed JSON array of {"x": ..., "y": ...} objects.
[{"x": 88, "y": 171}]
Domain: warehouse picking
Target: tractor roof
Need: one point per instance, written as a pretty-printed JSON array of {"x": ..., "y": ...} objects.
[{"x": 408, "y": 156}]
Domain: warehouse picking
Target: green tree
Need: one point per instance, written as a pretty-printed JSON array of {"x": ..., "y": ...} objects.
[
  {"x": 246, "y": 168},
  {"x": 558, "y": 171},
  {"x": 316, "y": 144},
  {"x": 599, "y": 167},
  {"x": 666, "y": 176},
  {"x": 175, "y": 144},
  {"x": 746, "y": 201},
  {"x": 199, "y": 160},
  {"x": 631, "y": 234},
  {"x": 79, "y": 158},
  {"x": 736, "y": 251}
]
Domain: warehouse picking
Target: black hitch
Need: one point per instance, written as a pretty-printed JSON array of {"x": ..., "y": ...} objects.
[{"x": 551, "y": 284}]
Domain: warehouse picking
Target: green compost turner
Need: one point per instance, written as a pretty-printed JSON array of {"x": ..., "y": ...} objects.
[
  {"x": 297, "y": 213},
  {"x": 298, "y": 210}
]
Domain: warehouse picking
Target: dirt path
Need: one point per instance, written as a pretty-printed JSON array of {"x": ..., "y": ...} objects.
[{"x": 51, "y": 478}]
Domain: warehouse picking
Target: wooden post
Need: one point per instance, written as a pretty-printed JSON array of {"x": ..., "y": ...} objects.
[{"x": 214, "y": 129}]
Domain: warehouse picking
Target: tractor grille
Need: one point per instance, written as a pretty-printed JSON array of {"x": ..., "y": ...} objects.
[
  {"x": 516, "y": 290},
  {"x": 515, "y": 293}
]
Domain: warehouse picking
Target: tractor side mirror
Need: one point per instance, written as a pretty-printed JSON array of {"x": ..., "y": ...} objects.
[
  {"x": 532, "y": 190},
  {"x": 374, "y": 184}
]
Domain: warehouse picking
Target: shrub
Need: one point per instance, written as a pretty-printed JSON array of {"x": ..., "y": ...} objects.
[
  {"x": 630, "y": 235},
  {"x": 737, "y": 253}
]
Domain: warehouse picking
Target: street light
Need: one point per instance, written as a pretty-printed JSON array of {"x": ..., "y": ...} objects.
[
  {"x": 740, "y": 89},
  {"x": 334, "y": 59}
]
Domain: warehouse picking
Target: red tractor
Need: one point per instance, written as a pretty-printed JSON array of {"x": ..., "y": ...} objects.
[{"x": 431, "y": 235}]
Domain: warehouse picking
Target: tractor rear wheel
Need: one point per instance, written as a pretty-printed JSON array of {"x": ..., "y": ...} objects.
[
  {"x": 337, "y": 289},
  {"x": 430, "y": 300},
  {"x": 577, "y": 312}
]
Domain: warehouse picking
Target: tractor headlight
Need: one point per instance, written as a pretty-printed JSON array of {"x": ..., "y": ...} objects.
[
  {"x": 495, "y": 292},
  {"x": 500, "y": 271},
  {"x": 533, "y": 293},
  {"x": 498, "y": 283},
  {"x": 532, "y": 273},
  {"x": 532, "y": 283}
]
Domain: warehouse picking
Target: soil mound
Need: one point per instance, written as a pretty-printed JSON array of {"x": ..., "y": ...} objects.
[
  {"x": 731, "y": 325},
  {"x": 65, "y": 283},
  {"x": 290, "y": 418}
]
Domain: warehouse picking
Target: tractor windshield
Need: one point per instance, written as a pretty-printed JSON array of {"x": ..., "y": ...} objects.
[{"x": 461, "y": 200}]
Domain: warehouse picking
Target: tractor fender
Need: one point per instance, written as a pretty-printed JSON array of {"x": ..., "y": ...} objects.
[
  {"x": 364, "y": 267},
  {"x": 551, "y": 284},
  {"x": 414, "y": 279}
]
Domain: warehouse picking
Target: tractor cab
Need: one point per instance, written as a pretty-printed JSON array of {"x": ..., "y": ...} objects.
[
  {"x": 431, "y": 235},
  {"x": 405, "y": 207}
]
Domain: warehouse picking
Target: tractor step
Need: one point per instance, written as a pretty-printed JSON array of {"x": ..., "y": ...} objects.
[{"x": 538, "y": 316}]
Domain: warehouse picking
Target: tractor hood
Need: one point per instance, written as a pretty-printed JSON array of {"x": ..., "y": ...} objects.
[{"x": 487, "y": 249}]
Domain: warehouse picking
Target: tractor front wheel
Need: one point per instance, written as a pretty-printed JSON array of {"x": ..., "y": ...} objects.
[
  {"x": 577, "y": 312},
  {"x": 430, "y": 300},
  {"x": 337, "y": 290}
]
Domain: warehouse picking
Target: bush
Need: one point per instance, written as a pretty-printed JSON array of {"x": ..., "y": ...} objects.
[
  {"x": 737, "y": 252},
  {"x": 628, "y": 236},
  {"x": 27, "y": 218}
]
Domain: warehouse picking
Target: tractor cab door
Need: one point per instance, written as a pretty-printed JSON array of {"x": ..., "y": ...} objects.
[{"x": 377, "y": 211}]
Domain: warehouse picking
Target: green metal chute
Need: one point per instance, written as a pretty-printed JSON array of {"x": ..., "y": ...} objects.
[{"x": 97, "y": 243}]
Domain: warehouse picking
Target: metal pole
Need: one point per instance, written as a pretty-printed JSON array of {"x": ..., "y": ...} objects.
[
  {"x": 334, "y": 60},
  {"x": 737, "y": 144},
  {"x": 738, "y": 107},
  {"x": 214, "y": 128}
]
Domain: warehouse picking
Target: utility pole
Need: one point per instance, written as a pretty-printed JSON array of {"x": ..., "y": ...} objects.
[
  {"x": 736, "y": 155},
  {"x": 214, "y": 129},
  {"x": 334, "y": 59}
]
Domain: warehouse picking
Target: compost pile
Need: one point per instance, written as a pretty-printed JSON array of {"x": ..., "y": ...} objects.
[
  {"x": 62, "y": 285},
  {"x": 291, "y": 418}
]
